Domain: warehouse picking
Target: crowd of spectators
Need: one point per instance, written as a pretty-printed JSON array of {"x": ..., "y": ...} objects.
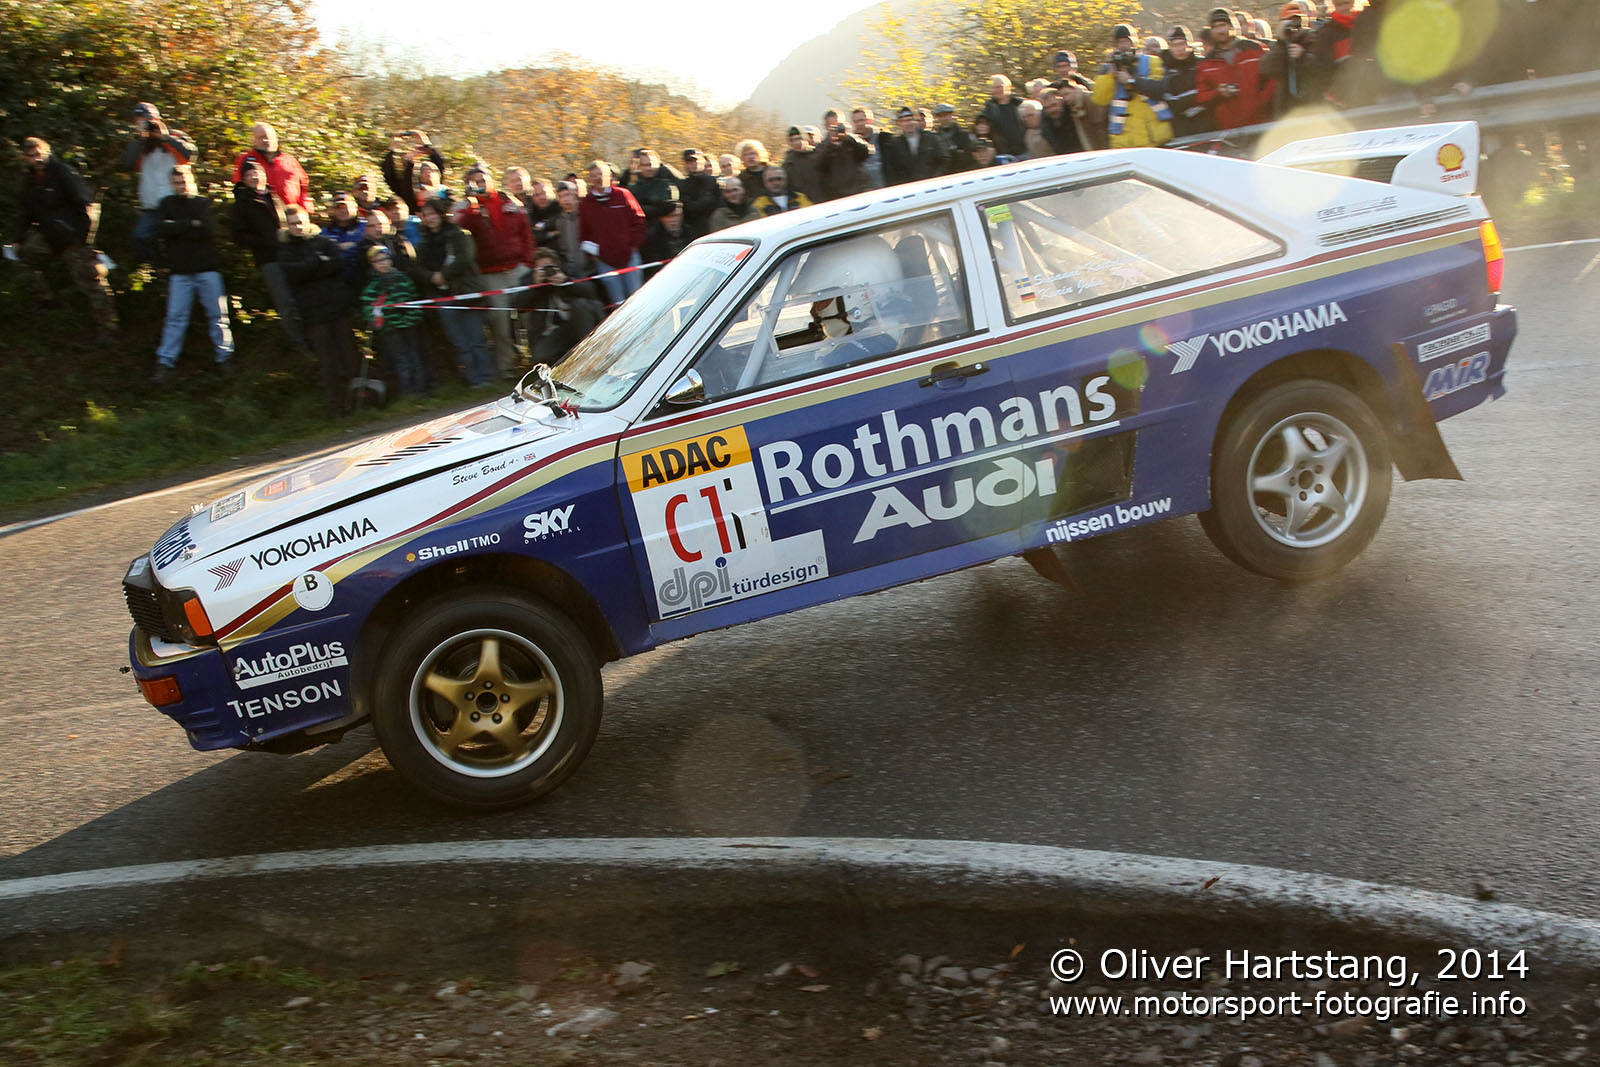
[{"x": 576, "y": 246}]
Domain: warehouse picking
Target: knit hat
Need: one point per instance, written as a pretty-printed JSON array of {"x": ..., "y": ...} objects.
[
  {"x": 1121, "y": 31},
  {"x": 1179, "y": 33},
  {"x": 378, "y": 250},
  {"x": 148, "y": 111},
  {"x": 1220, "y": 14}
]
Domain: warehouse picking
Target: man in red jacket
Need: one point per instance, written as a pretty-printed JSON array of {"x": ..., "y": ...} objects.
[
  {"x": 1229, "y": 78},
  {"x": 499, "y": 227},
  {"x": 612, "y": 226},
  {"x": 285, "y": 177}
]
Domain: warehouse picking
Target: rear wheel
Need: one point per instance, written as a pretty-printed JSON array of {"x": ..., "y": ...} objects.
[
  {"x": 1300, "y": 481},
  {"x": 486, "y": 700}
]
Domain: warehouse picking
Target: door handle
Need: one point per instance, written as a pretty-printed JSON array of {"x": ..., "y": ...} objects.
[{"x": 946, "y": 372}]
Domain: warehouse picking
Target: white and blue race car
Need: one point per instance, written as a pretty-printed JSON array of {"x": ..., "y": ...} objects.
[{"x": 841, "y": 399}]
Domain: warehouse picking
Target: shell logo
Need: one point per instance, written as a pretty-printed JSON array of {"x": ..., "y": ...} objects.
[
  {"x": 1451, "y": 157},
  {"x": 411, "y": 557}
]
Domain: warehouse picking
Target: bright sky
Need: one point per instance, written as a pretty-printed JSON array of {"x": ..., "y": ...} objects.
[{"x": 722, "y": 51}]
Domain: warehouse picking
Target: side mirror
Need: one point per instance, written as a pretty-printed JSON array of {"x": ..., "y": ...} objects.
[{"x": 687, "y": 391}]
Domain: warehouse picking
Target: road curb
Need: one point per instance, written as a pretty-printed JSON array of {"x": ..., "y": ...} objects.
[{"x": 860, "y": 871}]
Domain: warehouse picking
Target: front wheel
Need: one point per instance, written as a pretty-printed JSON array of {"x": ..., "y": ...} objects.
[
  {"x": 486, "y": 700},
  {"x": 1300, "y": 481}
]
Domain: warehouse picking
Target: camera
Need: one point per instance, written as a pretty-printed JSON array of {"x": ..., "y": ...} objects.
[
  {"x": 1293, "y": 32},
  {"x": 1125, "y": 60}
]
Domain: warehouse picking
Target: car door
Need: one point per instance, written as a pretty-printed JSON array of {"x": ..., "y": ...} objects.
[
  {"x": 1101, "y": 278},
  {"x": 851, "y": 435}
]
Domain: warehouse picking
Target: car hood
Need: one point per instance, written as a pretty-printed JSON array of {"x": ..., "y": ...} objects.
[{"x": 331, "y": 482}]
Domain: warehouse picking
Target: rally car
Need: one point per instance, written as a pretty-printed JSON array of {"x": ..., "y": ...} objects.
[{"x": 841, "y": 399}]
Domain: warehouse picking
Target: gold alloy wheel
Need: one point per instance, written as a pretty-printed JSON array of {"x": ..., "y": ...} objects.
[{"x": 486, "y": 703}]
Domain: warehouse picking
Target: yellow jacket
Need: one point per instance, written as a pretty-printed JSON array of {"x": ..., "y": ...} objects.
[{"x": 1142, "y": 128}]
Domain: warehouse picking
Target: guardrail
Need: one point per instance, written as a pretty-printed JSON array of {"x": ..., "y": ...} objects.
[{"x": 1502, "y": 112}]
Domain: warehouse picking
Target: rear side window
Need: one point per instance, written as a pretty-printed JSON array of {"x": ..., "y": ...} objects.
[{"x": 1072, "y": 247}]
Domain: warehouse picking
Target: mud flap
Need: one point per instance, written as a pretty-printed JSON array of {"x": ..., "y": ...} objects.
[
  {"x": 1419, "y": 451},
  {"x": 1048, "y": 565}
]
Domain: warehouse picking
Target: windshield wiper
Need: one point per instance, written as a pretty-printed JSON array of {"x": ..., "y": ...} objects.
[{"x": 546, "y": 384}]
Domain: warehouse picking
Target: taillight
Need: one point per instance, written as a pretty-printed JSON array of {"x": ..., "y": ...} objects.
[
  {"x": 1494, "y": 256},
  {"x": 160, "y": 691}
]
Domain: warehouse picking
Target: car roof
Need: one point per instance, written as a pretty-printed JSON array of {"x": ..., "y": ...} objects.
[{"x": 975, "y": 184}]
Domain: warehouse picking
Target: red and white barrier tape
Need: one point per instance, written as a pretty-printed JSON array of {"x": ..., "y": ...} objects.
[{"x": 447, "y": 303}]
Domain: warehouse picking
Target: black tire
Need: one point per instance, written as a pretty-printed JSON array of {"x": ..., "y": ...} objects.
[
  {"x": 440, "y": 687},
  {"x": 1300, "y": 481}
]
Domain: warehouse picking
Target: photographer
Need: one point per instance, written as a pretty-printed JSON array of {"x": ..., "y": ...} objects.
[
  {"x": 1131, "y": 86},
  {"x": 840, "y": 166},
  {"x": 565, "y": 311},
  {"x": 1289, "y": 61},
  {"x": 1229, "y": 78},
  {"x": 153, "y": 153},
  {"x": 407, "y": 149}
]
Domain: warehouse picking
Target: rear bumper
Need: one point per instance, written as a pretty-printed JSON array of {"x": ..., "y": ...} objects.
[{"x": 1463, "y": 363}]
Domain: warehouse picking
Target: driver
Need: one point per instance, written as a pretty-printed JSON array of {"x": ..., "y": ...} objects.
[{"x": 855, "y": 289}]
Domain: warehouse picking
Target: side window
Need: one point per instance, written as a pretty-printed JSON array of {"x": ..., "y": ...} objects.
[
  {"x": 850, "y": 300},
  {"x": 1075, "y": 246}
]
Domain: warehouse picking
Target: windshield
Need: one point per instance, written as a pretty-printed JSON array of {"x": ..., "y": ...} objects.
[{"x": 607, "y": 364}]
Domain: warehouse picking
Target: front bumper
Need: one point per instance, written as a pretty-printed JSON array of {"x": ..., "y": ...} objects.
[
  {"x": 204, "y": 680},
  {"x": 279, "y": 684}
]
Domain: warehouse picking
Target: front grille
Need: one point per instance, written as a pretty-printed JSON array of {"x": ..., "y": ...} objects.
[{"x": 144, "y": 604}]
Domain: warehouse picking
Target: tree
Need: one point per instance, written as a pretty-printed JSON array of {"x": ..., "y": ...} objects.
[
  {"x": 902, "y": 66},
  {"x": 931, "y": 55},
  {"x": 1018, "y": 39},
  {"x": 71, "y": 71}
]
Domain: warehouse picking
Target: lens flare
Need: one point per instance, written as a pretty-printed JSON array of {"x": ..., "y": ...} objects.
[
  {"x": 1425, "y": 39},
  {"x": 1128, "y": 368}
]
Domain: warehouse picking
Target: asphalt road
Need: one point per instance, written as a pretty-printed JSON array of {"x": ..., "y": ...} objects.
[{"x": 1426, "y": 717}]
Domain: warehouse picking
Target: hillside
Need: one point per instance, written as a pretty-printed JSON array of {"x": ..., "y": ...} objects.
[{"x": 813, "y": 77}]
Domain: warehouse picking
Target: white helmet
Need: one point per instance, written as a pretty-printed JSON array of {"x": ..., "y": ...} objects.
[{"x": 862, "y": 276}]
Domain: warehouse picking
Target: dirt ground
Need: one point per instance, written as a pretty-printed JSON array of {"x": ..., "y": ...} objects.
[{"x": 805, "y": 987}]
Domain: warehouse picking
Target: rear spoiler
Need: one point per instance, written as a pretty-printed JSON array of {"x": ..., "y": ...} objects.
[{"x": 1441, "y": 157}]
